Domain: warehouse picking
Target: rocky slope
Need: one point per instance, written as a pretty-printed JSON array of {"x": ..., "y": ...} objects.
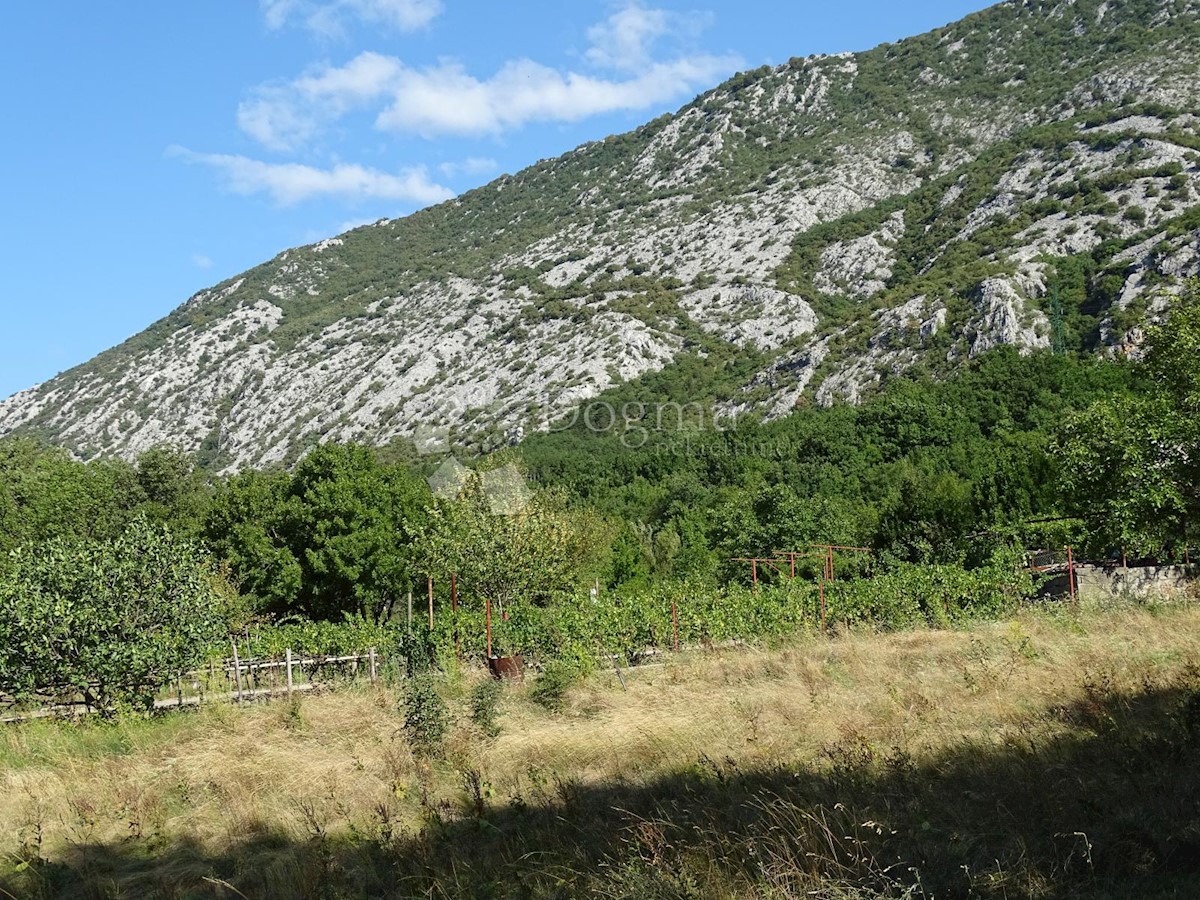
[{"x": 1028, "y": 176}]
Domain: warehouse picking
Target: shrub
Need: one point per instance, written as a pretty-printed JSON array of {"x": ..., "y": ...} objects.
[
  {"x": 485, "y": 706},
  {"x": 426, "y": 718},
  {"x": 551, "y": 687},
  {"x": 108, "y": 621}
]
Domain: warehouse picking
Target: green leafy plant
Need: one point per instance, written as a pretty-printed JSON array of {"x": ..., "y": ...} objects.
[
  {"x": 484, "y": 700},
  {"x": 426, "y": 717},
  {"x": 106, "y": 621}
]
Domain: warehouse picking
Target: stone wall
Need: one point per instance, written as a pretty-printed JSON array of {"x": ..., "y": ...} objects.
[{"x": 1138, "y": 581}]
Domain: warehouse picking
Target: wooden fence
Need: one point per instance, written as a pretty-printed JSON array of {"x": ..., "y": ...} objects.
[{"x": 239, "y": 680}]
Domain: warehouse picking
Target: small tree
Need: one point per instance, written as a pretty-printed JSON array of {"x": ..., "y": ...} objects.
[
  {"x": 535, "y": 554},
  {"x": 108, "y": 621}
]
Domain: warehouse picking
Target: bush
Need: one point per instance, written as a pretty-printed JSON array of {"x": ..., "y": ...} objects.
[
  {"x": 551, "y": 687},
  {"x": 110, "y": 622},
  {"x": 426, "y": 718},
  {"x": 485, "y": 706}
]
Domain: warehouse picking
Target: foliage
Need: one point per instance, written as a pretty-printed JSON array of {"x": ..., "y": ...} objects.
[
  {"x": 1131, "y": 465},
  {"x": 110, "y": 621},
  {"x": 532, "y": 553},
  {"x": 320, "y": 638},
  {"x": 336, "y": 536},
  {"x": 426, "y": 717},
  {"x": 556, "y": 678},
  {"x": 924, "y": 470},
  {"x": 484, "y": 700}
]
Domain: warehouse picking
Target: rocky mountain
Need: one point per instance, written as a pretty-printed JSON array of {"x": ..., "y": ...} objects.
[{"x": 1029, "y": 175}]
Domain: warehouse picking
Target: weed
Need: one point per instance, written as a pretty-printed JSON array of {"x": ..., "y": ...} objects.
[
  {"x": 550, "y": 689},
  {"x": 485, "y": 706},
  {"x": 426, "y": 717}
]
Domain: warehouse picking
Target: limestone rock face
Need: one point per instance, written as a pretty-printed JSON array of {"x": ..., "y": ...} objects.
[{"x": 835, "y": 220}]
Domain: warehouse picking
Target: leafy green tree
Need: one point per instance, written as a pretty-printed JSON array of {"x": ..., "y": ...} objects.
[
  {"x": 334, "y": 538},
  {"x": 1131, "y": 464},
  {"x": 352, "y": 524},
  {"x": 110, "y": 621},
  {"x": 45, "y": 493},
  {"x": 247, "y": 527},
  {"x": 174, "y": 489},
  {"x": 536, "y": 555}
]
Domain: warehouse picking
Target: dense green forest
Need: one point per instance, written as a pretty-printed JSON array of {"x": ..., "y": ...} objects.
[{"x": 944, "y": 481}]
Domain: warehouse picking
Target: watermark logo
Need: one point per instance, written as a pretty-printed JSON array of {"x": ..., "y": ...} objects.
[
  {"x": 432, "y": 435},
  {"x": 505, "y": 490},
  {"x": 635, "y": 422}
]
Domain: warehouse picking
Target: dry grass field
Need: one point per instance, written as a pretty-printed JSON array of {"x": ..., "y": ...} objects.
[{"x": 1054, "y": 755}]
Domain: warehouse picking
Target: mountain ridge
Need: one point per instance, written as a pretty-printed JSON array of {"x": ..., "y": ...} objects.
[{"x": 833, "y": 220}]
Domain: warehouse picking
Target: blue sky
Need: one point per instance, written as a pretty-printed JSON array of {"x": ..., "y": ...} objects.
[{"x": 154, "y": 148}]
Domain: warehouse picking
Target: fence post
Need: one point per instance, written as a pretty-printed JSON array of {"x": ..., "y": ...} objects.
[
  {"x": 372, "y": 665},
  {"x": 288, "y": 656},
  {"x": 454, "y": 611},
  {"x": 1071, "y": 577},
  {"x": 675, "y": 623},
  {"x": 824, "y": 633},
  {"x": 237, "y": 672},
  {"x": 429, "y": 584},
  {"x": 410, "y": 611}
]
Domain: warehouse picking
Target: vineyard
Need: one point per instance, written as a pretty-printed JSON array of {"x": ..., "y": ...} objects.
[
  {"x": 595, "y": 629},
  {"x": 683, "y": 613}
]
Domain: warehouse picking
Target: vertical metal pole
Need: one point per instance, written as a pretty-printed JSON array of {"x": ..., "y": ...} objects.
[
  {"x": 754, "y": 573},
  {"x": 487, "y": 616},
  {"x": 372, "y": 665},
  {"x": 454, "y": 610},
  {"x": 288, "y": 656},
  {"x": 1071, "y": 575},
  {"x": 792, "y": 566},
  {"x": 410, "y": 611},
  {"x": 675, "y": 623},
  {"x": 237, "y": 672},
  {"x": 429, "y": 584}
]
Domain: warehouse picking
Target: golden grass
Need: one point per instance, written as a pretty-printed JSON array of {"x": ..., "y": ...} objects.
[{"x": 337, "y": 765}]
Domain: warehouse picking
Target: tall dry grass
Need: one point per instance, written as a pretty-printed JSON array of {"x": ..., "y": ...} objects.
[{"x": 866, "y": 765}]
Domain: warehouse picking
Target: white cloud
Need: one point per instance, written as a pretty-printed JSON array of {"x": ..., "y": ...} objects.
[
  {"x": 626, "y": 39},
  {"x": 446, "y": 99},
  {"x": 290, "y": 183},
  {"x": 328, "y": 18},
  {"x": 284, "y": 116},
  {"x": 200, "y": 261},
  {"x": 475, "y": 165}
]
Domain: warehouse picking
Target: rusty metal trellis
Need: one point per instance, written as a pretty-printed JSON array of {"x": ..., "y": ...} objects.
[{"x": 788, "y": 558}]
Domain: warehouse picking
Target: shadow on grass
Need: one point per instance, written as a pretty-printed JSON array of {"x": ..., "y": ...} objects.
[{"x": 1099, "y": 798}]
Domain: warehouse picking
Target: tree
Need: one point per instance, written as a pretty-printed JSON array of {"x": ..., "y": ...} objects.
[
  {"x": 537, "y": 555},
  {"x": 1131, "y": 464},
  {"x": 110, "y": 621},
  {"x": 247, "y": 528},
  {"x": 352, "y": 523},
  {"x": 335, "y": 537},
  {"x": 45, "y": 493},
  {"x": 174, "y": 489}
]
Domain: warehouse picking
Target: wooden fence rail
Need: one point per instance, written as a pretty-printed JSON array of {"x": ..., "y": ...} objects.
[{"x": 243, "y": 675}]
